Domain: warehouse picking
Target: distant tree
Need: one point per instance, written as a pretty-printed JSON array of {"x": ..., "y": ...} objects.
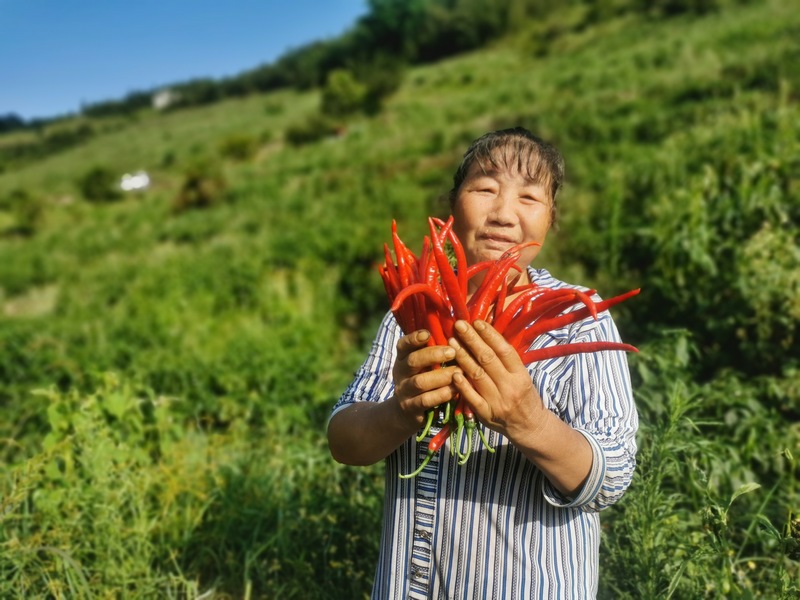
[
  {"x": 131, "y": 103},
  {"x": 382, "y": 76},
  {"x": 392, "y": 25},
  {"x": 197, "y": 92},
  {"x": 11, "y": 122}
]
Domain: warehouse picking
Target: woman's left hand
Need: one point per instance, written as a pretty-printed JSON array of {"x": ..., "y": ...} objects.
[{"x": 495, "y": 382}]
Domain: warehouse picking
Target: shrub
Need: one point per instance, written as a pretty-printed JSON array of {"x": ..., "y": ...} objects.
[
  {"x": 238, "y": 147},
  {"x": 99, "y": 184},
  {"x": 312, "y": 129},
  {"x": 343, "y": 94},
  {"x": 168, "y": 158},
  {"x": 273, "y": 107},
  {"x": 26, "y": 209},
  {"x": 203, "y": 185},
  {"x": 382, "y": 77}
]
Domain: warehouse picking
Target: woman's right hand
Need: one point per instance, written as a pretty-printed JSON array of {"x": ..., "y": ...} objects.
[{"x": 420, "y": 382}]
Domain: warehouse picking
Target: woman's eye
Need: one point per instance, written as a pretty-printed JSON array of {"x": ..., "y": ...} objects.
[{"x": 483, "y": 191}]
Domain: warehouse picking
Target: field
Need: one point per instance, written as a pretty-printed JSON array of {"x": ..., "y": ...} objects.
[{"x": 168, "y": 361}]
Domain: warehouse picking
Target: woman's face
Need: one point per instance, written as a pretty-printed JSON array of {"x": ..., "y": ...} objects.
[{"x": 497, "y": 209}]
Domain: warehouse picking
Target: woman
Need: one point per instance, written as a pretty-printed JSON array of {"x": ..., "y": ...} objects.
[{"x": 521, "y": 522}]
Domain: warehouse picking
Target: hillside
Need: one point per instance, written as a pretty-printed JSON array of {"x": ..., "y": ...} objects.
[{"x": 167, "y": 364}]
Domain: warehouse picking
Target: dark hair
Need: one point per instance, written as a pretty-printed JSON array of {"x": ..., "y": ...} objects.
[{"x": 515, "y": 148}]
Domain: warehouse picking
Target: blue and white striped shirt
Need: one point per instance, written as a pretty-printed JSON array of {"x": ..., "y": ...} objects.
[{"x": 495, "y": 527}]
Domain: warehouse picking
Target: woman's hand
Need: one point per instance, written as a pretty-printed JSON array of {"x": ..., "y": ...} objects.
[
  {"x": 495, "y": 383},
  {"x": 419, "y": 383},
  {"x": 499, "y": 389}
]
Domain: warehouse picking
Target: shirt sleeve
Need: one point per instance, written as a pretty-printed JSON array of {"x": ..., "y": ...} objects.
[
  {"x": 373, "y": 381},
  {"x": 597, "y": 401}
]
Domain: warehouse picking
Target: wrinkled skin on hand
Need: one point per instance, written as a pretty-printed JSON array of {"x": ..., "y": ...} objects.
[
  {"x": 495, "y": 382},
  {"x": 421, "y": 382}
]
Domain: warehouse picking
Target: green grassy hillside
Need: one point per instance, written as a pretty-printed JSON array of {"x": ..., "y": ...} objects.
[{"x": 166, "y": 369}]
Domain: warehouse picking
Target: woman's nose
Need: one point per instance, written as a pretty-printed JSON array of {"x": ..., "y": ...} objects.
[{"x": 502, "y": 212}]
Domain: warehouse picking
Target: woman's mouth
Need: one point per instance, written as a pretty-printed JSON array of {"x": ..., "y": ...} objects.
[{"x": 498, "y": 240}]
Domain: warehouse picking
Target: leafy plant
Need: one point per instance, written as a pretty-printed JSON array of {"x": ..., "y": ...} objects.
[
  {"x": 311, "y": 129},
  {"x": 99, "y": 184},
  {"x": 342, "y": 94},
  {"x": 26, "y": 210},
  {"x": 203, "y": 186},
  {"x": 239, "y": 147}
]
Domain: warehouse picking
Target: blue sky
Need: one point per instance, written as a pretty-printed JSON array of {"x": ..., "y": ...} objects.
[{"x": 58, "y": 54}]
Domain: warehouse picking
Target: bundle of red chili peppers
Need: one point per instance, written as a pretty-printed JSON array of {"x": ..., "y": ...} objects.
[{"x": 427, "y": 292}]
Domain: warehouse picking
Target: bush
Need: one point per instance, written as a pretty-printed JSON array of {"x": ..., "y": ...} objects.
[
  {"x": 343, "y": 94},
  {"x": 314, "y": 128},
  {"x": 99, "y": 184},
  {"x": 26, "y": 209},
  {"x": 238, "y": 147},
  {"x": 382, "y": 77},
  {"x": 203, "y": 185}
]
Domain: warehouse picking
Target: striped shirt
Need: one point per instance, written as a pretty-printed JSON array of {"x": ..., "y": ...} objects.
[{"x": 495, "y": 527}]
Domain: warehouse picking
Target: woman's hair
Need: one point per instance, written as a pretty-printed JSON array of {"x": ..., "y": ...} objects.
[{"x": 515, "y": 149}]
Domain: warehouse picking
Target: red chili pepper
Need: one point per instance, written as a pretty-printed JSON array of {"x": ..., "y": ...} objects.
[
  {"x": 585, "y": 297},
  {"x": 516, "y": 309},
  {"x": 543, "y": 326},
  {"x": 419, "y": 288},
  {"x": 437, "y": 441},
  {"x": 449, "y": 280},
  {"x": 391, "y": 270},
  {"x": 424, "y": 258},
  {"x": 500, "y": 303},
  {"x": 484, "y": 296},
  {"x": 400, "y": 256},
  {"x": 572, "y": 348},
  {"x": 461, "y": 261},
  {"x": 440, "y": 332},
  {"x": 538, "y": 309},
  {"x": 556, "y": 307}
]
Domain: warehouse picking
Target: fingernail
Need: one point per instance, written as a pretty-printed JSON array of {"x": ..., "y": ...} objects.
[
  {"x": 461, "y": 326},
  {"x": 449, "y": 353},
  {"x": 454, "y": 343},
  {"x": 479, "y": 325}
]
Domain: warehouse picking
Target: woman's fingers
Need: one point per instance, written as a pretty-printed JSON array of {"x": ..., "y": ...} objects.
[
  {"x": 477, "y": 360},
  {"x": 420, "y": 380},
  {"x": 495, "y": 382},
  {"x": 482, "y": 351},
  {"x": 413, "y": 341},
  {"x": 504, "y": 351},
  {"x": 478, "y": 403},
  {"x": 413, "y": 351}
]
